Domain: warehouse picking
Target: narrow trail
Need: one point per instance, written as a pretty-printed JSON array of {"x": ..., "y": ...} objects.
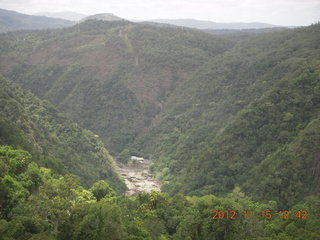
[{"x": 138, "y": 178}]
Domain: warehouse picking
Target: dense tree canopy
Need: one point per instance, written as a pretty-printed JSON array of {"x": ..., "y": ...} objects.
[
  {"x": 231, "y": 124},
  {"x": 53, "y": 140}
]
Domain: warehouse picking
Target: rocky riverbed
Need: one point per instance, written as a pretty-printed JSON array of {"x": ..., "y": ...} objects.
[{"x": 138, "y": 178}]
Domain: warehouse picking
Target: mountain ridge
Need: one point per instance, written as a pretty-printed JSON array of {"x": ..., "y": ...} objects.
[
  {"x": 204, "y": 24},
  {"x": 68, "y": 15},
  {"x": 114, "y": 56},
  {"x": 207, "y": 109},
  {"x": 13, "y": 21},
  {"x": 103, "y": 17}
]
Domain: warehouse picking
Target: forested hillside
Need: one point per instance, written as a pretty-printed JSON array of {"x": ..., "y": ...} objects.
[
  {"x": 13, "y": 21},
  {"x": 111, "y": 77},
  {"x": 37, "y": 204},
  {"x": 53, "y": 141},
  {"x": 236, "y": 111},
  {"x": 231, "y": 124}
]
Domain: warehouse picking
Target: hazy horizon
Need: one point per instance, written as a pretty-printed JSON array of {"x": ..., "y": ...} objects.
[{"x": 281, "y": 12}]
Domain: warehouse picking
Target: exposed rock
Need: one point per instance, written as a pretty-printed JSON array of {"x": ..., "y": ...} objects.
[{"x": 138, "y": 177}]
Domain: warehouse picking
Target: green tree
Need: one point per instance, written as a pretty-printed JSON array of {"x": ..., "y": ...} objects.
[
  {"x": 95, "y": 221},
  {"x": 101, "y": 189}
]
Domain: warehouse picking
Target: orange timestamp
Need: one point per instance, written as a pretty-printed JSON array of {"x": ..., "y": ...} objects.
[{"x": 267, "y": 214}]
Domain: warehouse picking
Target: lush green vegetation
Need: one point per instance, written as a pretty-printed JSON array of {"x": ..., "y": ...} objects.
[
  {"x": 38, "y": 204},
  {"x": 110, "y": 77},
  {"x": 54, "y": 141},
  {"x": 232, "y": 122}
]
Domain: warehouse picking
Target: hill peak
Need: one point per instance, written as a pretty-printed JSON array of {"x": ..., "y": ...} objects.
[{"x": 104, "y": 17}]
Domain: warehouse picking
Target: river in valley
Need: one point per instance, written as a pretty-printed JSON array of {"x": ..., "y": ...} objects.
[{"x": 138, "y": 177}]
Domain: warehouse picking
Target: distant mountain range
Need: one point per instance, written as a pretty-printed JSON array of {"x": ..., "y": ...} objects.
[
  {"x": 12, "y": 21},
  {"x": 74, "y": 16},
  {"x": 71, "y": 16},
  {"x": 192, "y": 23}
]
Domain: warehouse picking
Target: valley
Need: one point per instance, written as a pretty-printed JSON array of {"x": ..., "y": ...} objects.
[
  {"x": 138, "y": 178},
  {"x": 230, "y": 122}
]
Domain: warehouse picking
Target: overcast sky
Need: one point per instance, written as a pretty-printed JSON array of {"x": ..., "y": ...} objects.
[{"x": 281, "y": 12}]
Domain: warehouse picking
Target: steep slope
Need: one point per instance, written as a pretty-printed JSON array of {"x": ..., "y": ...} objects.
[
  {"x": 13, "y": 21},
  {"x": 111, "y": 77},
  {"x": 54, "y": 141},
  {"x": 234, "y": 112},
  {"x": 208, "y": 110},
  {"x": 292, "y": 172}
]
